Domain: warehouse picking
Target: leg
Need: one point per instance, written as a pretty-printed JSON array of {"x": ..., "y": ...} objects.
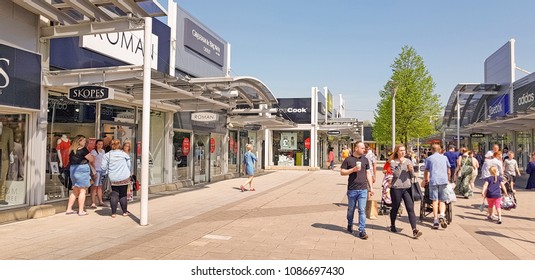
[
  {"x": 93, "y": 190},
  {"x": 72, "y": 198},
  {"x": 351, "y": 203},
  {"x": 251, "y": 183},
  {"x": 362, "y": 199},
  {"x": 81, "y": 201},
  {"x": 123, "y": 200},
  {"x": 395, "y": 195},
  {"x": 498, "y": 204},
  {"x": 409, "y": 205},
  {"x": 99, "y": 195},
  {"x": 489, "y": 208},
  {"x": 114, "y": 199}
]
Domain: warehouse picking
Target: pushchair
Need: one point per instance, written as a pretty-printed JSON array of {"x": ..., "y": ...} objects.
[
  {"x": 386, "y": 201},
  {"x": 426, "y": 207},
  {"x": 509, "y": 201}
]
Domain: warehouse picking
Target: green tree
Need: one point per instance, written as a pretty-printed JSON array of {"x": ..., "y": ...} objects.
[{"x": 415, "y": 101}]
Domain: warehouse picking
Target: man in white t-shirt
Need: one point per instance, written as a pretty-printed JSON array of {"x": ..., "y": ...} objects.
[{"x": 372, "y": 159}]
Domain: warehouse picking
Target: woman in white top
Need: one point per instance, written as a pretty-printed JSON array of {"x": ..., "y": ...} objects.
[{"x": 510, "y": 167}]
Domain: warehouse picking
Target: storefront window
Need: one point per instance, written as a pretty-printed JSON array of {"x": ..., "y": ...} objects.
[
  {"x": 233, "y": 163},
  {"x": 66, "y": 119},
  {"x": 289, "y": 148},
  {"x": 523, "y": 148},
  {"x": 13, "y": 143},
  {"x": 156, "y": 148},
  {"x": 216, "y": 155},
  {"x": 201, "y": 158},
  {"x": 181, "y": 152}
]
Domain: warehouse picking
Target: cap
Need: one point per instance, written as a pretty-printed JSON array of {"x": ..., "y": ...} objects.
[{"x": 489, "y": 154}]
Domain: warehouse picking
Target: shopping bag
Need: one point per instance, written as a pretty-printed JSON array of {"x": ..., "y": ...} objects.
[
  {"x": 450, "y": 193},
  {"x": 371, "y": 209}
]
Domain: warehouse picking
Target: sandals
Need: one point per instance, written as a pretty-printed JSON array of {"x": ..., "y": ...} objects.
[
  {"x": 70, "y": 212},
  {"x": 126, "y": 214},
  {"x": 83, "y": 214},
  {"x": 242, "y": 188},
  {"x": 252, "y": 190},
  {"x": 113, "y": 215}
]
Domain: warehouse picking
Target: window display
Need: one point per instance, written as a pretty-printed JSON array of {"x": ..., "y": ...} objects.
[
  {"x": 289, "y": 148},
  {"x": 233, "y": 151},
  {"x": 12, "y": 159},
  {"x": 216, "y": 156},
  {"x": 181, "y": 152}
]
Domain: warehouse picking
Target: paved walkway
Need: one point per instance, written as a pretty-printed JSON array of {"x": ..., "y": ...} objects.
[{"x": 292, "y": 215}]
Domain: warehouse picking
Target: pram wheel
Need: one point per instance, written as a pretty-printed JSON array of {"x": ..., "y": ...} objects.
[{"x": 449, "y": 213}]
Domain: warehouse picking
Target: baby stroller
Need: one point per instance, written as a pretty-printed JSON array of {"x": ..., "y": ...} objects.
[
  {"x": 386, "y": 200},
  {"x": 426, "y": 207},
  {"x": 509, "y": 200}
]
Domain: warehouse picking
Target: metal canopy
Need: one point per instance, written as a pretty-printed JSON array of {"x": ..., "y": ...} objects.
[
  {"x": 470, "y": 97},
  {"x": 268, "y": 121},
  {"x": 165, "y": 89}
]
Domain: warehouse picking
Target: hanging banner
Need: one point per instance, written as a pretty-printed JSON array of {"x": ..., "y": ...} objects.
[
  {"x": 212, "y": 145},
  {"x": 186, "y": 146},
  {"x": 288, "y": 141},
  {"x": 307, "y": 143}
]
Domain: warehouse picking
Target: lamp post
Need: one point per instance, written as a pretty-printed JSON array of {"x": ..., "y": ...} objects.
[{"x": 394, "y": 89}]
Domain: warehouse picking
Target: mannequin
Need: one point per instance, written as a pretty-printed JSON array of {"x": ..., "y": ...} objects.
[
  {"x": 64, "y": 143},
  {"x": 6, "y": 147}
]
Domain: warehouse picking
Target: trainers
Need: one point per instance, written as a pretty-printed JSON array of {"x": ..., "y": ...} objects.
[
  {"x": 442, "y": 222},
  {"x": 393, "y": 228},
  {"x": 416, "y": 233},
  {"x": 499, "y": 222},
  {"x": 435, "y": 226},
  {"x": 350, "y": 228},
  {"x": 363, "y": 235}
]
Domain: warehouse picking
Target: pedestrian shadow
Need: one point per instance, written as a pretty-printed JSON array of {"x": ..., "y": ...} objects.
[
  {"x": 340, "y": 204},
  {"x": 497, "y": 234},
  {"x": 330, "y": 227}
]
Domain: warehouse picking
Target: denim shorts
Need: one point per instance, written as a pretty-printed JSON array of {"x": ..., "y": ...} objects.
[
  {"x": 438, "y": 192},
  {"x": 80, "y": 175},
  {"x": 98, "y": 178}
]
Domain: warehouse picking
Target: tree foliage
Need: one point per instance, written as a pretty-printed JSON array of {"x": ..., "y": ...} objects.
[{"x": 416, "y": 104}]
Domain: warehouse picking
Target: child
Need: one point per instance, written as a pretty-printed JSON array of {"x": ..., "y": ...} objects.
[{"x": 492, "y": 191}]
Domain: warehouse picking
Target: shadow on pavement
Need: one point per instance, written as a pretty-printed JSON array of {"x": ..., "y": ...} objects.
[
  {"x": 496, "y": 234},
  {"x": 340, "y": 204},
  {"x": 330, "y": 227}
]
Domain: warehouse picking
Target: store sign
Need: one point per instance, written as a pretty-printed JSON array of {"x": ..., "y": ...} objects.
[
  {"x": 524, "y": 97},
  {"x": 20, "y": 78},
  {"x": 458, "y": 138},
  {"x": 477, "y": 135},
  {"x": 252, "y": 127},
  {"x": 124, "y": 46},
  {"x": 90, "y": 93},
  {"x": 200, "y": 41},
  {"x": 186, "y": 146},
  {"x": 498, "y": 106},
  {"x": 307, "y": 143},
  {"x": 212, "y": 145},
  {"x": 204, "y": 117},
  {"x": 288, "y": 141},
  {"x": 296, "y": 109},
  {"x": 330, "y": 104},
  {"x": 333, "y": 132}
]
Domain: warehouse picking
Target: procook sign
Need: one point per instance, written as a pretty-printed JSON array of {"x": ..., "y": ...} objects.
[
  {"x": 204, "y": 117},
  {"x": 295, "y": 109},
  {"x": 90, "y": 93},
  {"x": 524, "y": 97}
]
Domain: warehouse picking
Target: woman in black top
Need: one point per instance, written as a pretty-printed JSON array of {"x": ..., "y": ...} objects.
[{"x": 79, "y": 159}]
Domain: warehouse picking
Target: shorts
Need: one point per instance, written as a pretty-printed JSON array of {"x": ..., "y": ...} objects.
[
  {"x": 494, "y": 202},
  {"x": 438, "y": 192},
  {"x": 512, "y": 178},
  {"x": 98, "y": 178},
  {"x": 80, "y": 175},
  {"x": 249, "y": 170}
]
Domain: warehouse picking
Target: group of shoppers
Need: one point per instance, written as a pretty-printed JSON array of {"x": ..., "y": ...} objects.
[{"x": 116, "y": 164}]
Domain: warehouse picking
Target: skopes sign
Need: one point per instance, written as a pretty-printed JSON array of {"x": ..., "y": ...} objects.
[
  {"x": 90, "y": 93},
  {"x": 499, "y": 106},
  {"x": 524, "y": 97},
  {"x": 204, "y": 117},
  {"x": 296, "y": 109},
  {"x": 252, "y": 127},
  {"x": 20, "y": 78}
]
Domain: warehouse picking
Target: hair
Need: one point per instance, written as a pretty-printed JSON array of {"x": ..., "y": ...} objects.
[
  {"x": 127, "y": 142},
  {"x": 76, "y": 143},
  {"x": 494, "y": 172},
  {"x": 452, "y": 147},
  {"x": 396, "y": 150},
  {"x": 96, "y": 143},
  {"x": 497, "y": 154},
  {"x": 463, "y": 150},
  {"x": 436, "y": 148},
  {"x": 249, "y": 147},
  {"x": 366, "y": 145},
  {"x": 115, "y": 144}
]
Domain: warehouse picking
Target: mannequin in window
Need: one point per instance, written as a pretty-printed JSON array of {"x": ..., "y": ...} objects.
[
  {"x": 16, "y": 169},
  {"x": 6, "y": 157},
  {"x": 63, "y": 150}
]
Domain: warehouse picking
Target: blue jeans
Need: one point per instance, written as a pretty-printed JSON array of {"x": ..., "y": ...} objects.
[{"x": 354, "y": 197}]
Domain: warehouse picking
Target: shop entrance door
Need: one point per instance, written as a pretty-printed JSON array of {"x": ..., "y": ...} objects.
[
  {"x": 201, "y": 162},
  {"x": 123, "y": 132}
]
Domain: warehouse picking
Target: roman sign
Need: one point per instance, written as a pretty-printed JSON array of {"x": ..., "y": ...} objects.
[
  {"x": 200, "y": 41},
  {"x": 124, "y": 46},
  {"x": 90, "y": 93},
  {"x": 20, "y": 78},
  {"x": 204, "y": 117},
  {"x": 252, "y": 127}
]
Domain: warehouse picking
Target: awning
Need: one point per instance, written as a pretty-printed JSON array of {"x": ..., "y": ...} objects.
[
  {"x": 181, "y": 94},
  {"x": 270, "y": 122}
]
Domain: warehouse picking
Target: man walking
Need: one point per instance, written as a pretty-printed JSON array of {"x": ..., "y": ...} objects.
[
  {"x": 437, "y": 171},
  {"x": 372, "y": 159},
  {"x": 357, "y": 167},
  {"x": 452, "y": 156}
]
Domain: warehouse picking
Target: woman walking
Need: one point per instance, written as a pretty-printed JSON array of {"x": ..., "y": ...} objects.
[
  {"x": 402, "y": 172},
  {"x": 331, "y": 158},
  {"x": 531, "y": 171},
  {"x": 80, "y": 173},
  {"x": 127, "y": 147},
  {"x": 249, "y": 160},
  {"x": 96, "y": 188},
  {"x": 116, "y": 163}
]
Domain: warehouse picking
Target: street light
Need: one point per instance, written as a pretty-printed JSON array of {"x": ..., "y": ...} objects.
[{"x": 394, "y": 89}]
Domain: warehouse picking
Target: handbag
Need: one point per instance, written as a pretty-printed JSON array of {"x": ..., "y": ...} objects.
[
  {"x": 416, "y": 191},
  {"x": 106, "y": 182}
]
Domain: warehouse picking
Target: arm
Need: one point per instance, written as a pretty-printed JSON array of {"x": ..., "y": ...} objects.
[
  {"x": 370, "y": 182},
  {"x": 105, "y": 162},
  {"x": 485, "y": 186},
  {"x": 517, "y": 170},
  {"x": 374, "y": 167},
  {"x": 502, "y": 185},
  {"x": 346, "y": 172}
]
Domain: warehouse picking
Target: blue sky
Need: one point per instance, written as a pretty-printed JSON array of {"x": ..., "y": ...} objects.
[{"x": 349, "y": 46}]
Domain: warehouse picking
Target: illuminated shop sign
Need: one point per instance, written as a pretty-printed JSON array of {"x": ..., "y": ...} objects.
[{"x": 90, "y": 93}]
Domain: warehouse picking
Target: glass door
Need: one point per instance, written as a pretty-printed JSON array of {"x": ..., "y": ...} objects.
[
  {"x": 201, "y": 162},
  {"x": 124, "y": 133}
]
